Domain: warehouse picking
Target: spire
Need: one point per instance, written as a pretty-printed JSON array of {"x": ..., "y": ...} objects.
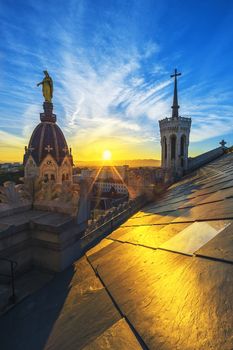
[{"x": 175, "y": 107}]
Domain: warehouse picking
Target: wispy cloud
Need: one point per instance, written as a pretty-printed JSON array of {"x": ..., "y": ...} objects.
[{"x": 109, "y": 85}]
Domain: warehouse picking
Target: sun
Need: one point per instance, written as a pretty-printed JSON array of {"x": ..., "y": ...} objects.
[{"x": 107, "y": 155}]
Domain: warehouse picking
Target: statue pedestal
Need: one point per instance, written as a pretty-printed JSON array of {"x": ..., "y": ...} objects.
[{"x": 48, "y": 115}]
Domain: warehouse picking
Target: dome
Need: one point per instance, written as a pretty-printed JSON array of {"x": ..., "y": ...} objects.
[{"x": 47, "y": 138}]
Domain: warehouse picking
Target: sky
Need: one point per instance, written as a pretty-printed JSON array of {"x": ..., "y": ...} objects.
[{"x": 111, "y": 61}]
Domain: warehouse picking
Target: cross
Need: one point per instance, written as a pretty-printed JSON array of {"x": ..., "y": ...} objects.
[
  {"x": 175, "y": 74},
  {"x": 48, "y": 148},
  {"x": 65, "y": 149},
  {"x": 222, "y": 143},
  {"x": 175, "y": 106},
  {"x": 31, "y": 148}
]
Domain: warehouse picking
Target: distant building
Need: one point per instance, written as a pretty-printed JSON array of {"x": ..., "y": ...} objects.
[
  {"x": 10, "y": 167},
  {"x": 109, "y": 185}
]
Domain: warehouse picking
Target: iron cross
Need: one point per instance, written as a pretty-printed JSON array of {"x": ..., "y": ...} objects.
[
  {"x": 222, "y": 143},
  {"x": 175, "y": 74}
]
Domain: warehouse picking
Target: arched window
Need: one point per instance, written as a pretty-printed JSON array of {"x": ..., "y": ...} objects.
[
  {"x": 165, "y": 147},
  {"x": 182, "y": 144},
  {"x": 173, "y": 146},
  {"x": 182, "y": 148},
  {"x": 52, "y": 177},
  {"x": 67, "y": 177},
  {"x": 63, "y": 177}
]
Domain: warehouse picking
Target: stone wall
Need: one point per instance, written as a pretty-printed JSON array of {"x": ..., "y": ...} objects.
[
  {"x": 53, "y": 241},
  {"x": 202, "y": 159},
  {"x": 39, "y": 238}
]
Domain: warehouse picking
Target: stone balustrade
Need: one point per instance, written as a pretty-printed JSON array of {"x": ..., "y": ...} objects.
[{"x": 114, "y": 218}]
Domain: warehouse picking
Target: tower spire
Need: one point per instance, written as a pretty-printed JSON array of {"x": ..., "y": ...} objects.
[{"x": 175, "y": 107}]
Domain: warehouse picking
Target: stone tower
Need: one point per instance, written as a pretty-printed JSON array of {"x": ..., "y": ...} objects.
[
  {"x": 174, "y": 134},
  {"x": 47, "y": 156}
]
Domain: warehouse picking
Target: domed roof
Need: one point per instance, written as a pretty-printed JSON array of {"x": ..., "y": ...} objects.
[{"x": 47, "y": 138}]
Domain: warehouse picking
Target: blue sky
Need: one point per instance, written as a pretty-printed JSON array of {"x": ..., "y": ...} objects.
[{"x": 111, "y": 63}]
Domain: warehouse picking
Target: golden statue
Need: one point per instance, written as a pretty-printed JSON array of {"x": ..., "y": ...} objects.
[{"x": 47, "y": 87}]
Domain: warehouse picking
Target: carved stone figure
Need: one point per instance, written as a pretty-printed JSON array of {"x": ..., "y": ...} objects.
[
  {"x": 13, "y": 196},
  {"x": 58, "y": 197}
]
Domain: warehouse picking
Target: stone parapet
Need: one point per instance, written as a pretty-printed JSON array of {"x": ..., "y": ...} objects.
[
  {"x": 175, "y": 123},
  {"x": 42, "y": 239}
]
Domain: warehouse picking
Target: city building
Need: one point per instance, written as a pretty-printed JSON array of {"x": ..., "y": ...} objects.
[{"x": 109, "y": 184}]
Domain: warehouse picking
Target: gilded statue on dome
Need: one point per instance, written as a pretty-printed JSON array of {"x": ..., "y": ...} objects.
[{"x": 47, "y": 87}]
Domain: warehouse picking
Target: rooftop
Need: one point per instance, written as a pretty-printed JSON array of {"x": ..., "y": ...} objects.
[{"x": 163, "y": 280}]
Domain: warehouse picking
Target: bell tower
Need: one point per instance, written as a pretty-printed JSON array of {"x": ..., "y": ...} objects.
[{"x": 174, "y": 133}]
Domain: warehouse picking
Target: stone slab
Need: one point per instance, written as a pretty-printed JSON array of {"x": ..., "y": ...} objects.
[
  {"x": 209, "y": 211},
  {"x": 173, "y": 301},
  {"x": 103, "y": 244},
  {"x": 217, "y": 187},
  {"x": 220, "y": 247},
  {"x": 143, "y": 235},
  {"x": 53, "y": 222},
  {"x": 117, "y": 337},
  {"x": 220, "y": 210},
  {"x": 194, "y": 236},
  {"x": 21, "y": 220},
  {"x": 69, "y": 313},
  {"x": 151, "y": 236},
  {"x": 180, "y": 215},
  {"x": 144, "y": 220}
]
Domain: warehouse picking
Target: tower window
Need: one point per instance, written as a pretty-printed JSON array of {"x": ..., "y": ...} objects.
[
  {"x": 165, "y": 147},
  {"x": 182, "y": 144},
  {"x": 173, "y": 147}
]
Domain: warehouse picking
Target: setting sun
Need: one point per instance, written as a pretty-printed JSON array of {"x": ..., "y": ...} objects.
[{"x": 107, "y": 155}]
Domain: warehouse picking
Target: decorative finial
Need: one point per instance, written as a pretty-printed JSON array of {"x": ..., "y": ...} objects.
[
  {"x": 47, "y": 87},
  {"x": 223, "y": 143},
  {"x": 175, "y": 107}
]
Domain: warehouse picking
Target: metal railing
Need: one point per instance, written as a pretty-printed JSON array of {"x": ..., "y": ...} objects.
[{"x": 13, "y": 265}]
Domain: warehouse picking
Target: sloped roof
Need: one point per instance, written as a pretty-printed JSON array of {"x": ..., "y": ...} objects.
[{"x": 163, "y": 280}]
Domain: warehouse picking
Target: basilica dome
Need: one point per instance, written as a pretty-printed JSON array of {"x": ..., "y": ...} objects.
[
  {"x": 47, "y": 138},
  {"x": 47, "y": 155}
]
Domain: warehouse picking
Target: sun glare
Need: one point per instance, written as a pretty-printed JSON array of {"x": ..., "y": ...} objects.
[{"x": 107, "y": 155}]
